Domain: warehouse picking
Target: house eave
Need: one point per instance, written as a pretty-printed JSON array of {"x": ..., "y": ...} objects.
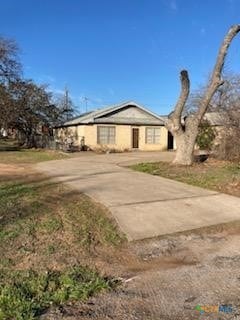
[
  {"x": 128, "y": 122},
  {"x": 111, "y": 123}
]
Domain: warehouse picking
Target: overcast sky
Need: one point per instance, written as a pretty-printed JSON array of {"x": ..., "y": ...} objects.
[{"x": 115, "y": 50}]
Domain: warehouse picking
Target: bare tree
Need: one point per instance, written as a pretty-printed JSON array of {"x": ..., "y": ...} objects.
[
  {"x": 10, "y": 71},
  {"x": 227, "y": 103},
  {"x": 65, "y": 106},
  {"x": 185, "y": 130},
  {"x": 30, "y": 110},
  {"x": 10, "y": 67}
]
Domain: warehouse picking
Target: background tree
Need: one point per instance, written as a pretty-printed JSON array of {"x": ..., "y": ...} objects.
[
  {"x": 65, "y": 106},
  {"x": 185, "y": 130},
  {"x": 10, "y": 67},
  {"x": 225, "y": 105},
  {"x": 24, "y": 105},
  {"x": 10, "y": 71},
  {"x": 225, "y": 97},
  {"x": 31, "y": 110}
]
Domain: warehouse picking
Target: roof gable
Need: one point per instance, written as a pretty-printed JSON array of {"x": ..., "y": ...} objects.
[
  {"x": 129, "y": 111},
  {"x": 125, "y": 113}
]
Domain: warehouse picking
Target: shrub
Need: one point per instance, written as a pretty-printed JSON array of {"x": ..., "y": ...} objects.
[{"x": 206, "y": 136}]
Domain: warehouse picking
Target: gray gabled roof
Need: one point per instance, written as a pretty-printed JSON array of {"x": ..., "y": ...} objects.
[
  {"x": 101, "y": 116},
  {"x": 213, "y": 118}
]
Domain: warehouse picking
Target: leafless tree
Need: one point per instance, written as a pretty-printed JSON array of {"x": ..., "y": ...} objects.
[
  {"x": 10, "y": 67},
  {"x": 24, "y": 105},
  {"x": 227, "y": 103},
  {"x": 10, "y": 71},
  {"x": 185, "y": 130},
  {"x": 65, "y": 106},
  {"x": 30, "y": 110}
]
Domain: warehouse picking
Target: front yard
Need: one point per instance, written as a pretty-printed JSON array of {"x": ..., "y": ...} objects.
[
  {"x": 25, "y": 156},
  {"x": 216, "y": 175},
  {"x": 52, "y": 240},
  {"x": 11, "y": 153},
  {"x": 59, "y": 248}
]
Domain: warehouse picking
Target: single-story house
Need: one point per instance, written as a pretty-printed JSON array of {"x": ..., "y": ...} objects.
[{"x": 125, "y": 126}]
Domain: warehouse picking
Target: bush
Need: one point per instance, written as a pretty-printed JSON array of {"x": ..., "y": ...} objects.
[{"x": 205, "y": 136}]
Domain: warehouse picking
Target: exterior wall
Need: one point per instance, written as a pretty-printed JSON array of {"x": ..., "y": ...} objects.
[
  {"x": 123, "y": 138},
  {"x": 163, "y": 145},
  {"x": 81, "y": 135}
]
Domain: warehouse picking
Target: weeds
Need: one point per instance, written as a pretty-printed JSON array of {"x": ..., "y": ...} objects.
[
  {"x": 26, "y": 295},
  {"x": 52, "y": 224},
  {"x": 90, "y": 226}
]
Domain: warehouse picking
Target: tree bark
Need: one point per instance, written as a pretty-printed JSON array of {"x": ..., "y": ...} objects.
[
  {"x": 185, "y": 131},
  {"x": 184, "y": 153}
]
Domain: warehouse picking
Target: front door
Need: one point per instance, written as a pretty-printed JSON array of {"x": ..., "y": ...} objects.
[
  {"x": 170, "y": 141},
  {"x": 135, "y": 138}
]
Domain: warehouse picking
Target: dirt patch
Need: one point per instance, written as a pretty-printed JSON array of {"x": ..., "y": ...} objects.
[
  {"x": 206, "y": 274},
  {"x": 8, "y": 169},
  {"x": 167, "y": 278}
]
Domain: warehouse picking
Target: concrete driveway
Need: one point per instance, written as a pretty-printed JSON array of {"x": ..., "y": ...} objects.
[{"x": 143, "y": 205}]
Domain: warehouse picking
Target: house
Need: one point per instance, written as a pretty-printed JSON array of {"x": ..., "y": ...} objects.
[{"x": 126, "y": 126}]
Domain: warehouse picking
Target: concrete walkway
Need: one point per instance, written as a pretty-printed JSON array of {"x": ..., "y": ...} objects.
[{"x": 143, "y": 205}]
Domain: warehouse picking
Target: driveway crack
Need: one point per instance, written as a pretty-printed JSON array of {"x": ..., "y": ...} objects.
[{"x": 162, "y": 200}]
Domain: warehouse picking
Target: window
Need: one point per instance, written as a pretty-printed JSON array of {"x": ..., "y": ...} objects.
[
  {"x": 153, "y": 135},
  {"x": 106, "y": 135}
]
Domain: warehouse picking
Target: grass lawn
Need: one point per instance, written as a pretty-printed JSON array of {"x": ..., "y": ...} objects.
[
  {"x": 47, "y": 234},
  {"x": 16, "y": 155},
  {"x": 25, "y": 156},
  {"x": 215, "y": 175}
]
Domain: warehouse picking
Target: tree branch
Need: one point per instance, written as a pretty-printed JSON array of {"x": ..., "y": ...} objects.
[
  {"x": 216, "y": 80},
  {"x": 174, "y": 118}
]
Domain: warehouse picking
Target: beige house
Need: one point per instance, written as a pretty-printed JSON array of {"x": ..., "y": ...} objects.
[{"x": 120, "y": 127}]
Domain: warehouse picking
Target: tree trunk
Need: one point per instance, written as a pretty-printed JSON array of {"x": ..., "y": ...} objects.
[{"x": 185, "y": 149}]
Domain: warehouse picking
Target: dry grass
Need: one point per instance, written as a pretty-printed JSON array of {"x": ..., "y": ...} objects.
[
  {"x": 28, "y": 156},
  {"x": 213, "y": 174},
  {"x": 10, "y": 153},
  {"x": 46, "y": 225},
  {"x": 48, "y": 234}
]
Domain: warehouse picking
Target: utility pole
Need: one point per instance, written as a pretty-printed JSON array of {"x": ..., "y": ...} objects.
[
  {"x": 86, "y": 103},
  {"x": 66, "y": 102}
]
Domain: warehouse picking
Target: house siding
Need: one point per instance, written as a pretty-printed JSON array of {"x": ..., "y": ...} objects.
[
  {"x": 123, "y": 138},
  {"x": 153, "y": 147}
]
